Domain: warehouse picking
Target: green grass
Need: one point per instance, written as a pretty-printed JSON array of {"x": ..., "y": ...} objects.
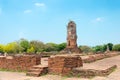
[{"x": 8, "y": 70}]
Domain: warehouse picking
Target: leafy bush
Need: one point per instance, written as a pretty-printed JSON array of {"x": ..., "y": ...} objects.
[
  {"x": 116, "y": 47},
  {"x": 110, "y": 45},
  {"x": 1, "y": 48},
  {"x": 99, "y": 48},
  {"x": 85, "y": 49},
  {"x": 31, "y": 50}
]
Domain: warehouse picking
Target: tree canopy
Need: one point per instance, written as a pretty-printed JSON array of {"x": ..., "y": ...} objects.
[{"x": 35, "y": 46}]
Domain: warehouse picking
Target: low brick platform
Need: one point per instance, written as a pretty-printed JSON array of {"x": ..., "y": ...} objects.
[
  {"x": 83, "y": 72},
  {"x": 97, "y": 68},
  {"x": 63, "y": 64},
  {"x": 92, "y": 58},
  {"x": 23, "y": 62}
]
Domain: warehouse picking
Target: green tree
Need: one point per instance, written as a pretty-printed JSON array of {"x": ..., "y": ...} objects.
[
  {"x": 51, "y": 47},
  {"x": 31, "y": 50},
  {"x": 104, "y": 48},
  {"x": 18, "y": 47},
  {"x": 37, "y": 45},
  {"x": 99, "y": 48},
  {"x": 24, "y": 44},
  {"x": 85, "y": 49},
  {"x": 11, "y": 47},
  {"x": 61, "y": 46},
  {"x": 116, "y": 47},
  {"x": 1, "y": 48},
  {"x": 110, "y": 45}
]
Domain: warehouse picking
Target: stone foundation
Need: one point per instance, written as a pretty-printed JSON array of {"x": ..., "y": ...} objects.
[
  {"x": 19, "y": 62},
  {"x": 63, "y": 64},
  {"x": 88, "y": 73}
]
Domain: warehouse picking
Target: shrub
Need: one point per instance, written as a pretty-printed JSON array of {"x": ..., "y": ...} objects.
[{"x": 116, "y": 47}]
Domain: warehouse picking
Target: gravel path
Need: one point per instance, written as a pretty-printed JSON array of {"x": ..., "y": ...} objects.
[{"x": 111, "y": 61}]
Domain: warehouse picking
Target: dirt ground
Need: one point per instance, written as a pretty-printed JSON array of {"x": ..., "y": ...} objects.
[{"x": 113, "y": 76}]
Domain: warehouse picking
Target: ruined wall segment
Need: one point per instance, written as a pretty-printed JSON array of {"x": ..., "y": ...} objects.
[
  {"x": 17, "y": 63},
  {"x": 63, "y": 64}
]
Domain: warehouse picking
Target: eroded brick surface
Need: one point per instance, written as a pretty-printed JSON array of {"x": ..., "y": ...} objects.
[
  {"x": 19, "y": 62},
  {"x": 63, "y": 64}
]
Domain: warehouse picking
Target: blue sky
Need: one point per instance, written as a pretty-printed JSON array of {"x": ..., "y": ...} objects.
[{"x": 98, "y": 21}]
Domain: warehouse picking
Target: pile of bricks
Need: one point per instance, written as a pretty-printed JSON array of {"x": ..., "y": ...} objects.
[
  {"x": 19, "y": 62},
  {"x": 63, "y": 64}
]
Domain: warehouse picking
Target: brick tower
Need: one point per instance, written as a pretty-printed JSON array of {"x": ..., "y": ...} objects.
[
  {"x": 72, "y": 38},
  {"x": 71, "y": 35}
]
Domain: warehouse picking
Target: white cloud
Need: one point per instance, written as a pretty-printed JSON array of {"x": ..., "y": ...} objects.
[
  {"x": 98, "y": 19},
  {"x": 38, "y": 7},
  {"x": 27, "y": 11},
  {"x": 39, "y": 4}
]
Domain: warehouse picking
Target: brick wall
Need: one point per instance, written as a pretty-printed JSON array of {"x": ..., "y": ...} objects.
[
  {"x": 63, "y": 64},
  {"x": 19, "y": 62},
  {"x": 96, "y": 57}
]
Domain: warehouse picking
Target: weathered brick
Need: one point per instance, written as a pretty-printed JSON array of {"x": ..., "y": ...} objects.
[
  {"x": 63, "y": 64},
  {"x": 19, "y": 62}
]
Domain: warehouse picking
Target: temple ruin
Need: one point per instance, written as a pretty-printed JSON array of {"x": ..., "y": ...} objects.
[{"x": 72, "y": 39}]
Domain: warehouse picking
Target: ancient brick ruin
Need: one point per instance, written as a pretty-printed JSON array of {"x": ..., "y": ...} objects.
[
  {"x": 57, "y": 64},
  {"x": 63, "y": 64},
  {"x": 72, "y": 39},
  {"x": 17, "y": 63},
  {"x": 67, "y": 64}
]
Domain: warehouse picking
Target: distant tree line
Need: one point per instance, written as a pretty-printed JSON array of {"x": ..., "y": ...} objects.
[
  {"x": 35, "y": 46},
  {"x": 100, "y": 48}
]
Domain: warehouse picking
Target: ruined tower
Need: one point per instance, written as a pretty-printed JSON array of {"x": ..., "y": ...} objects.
[
  {"x": 71, "y": 35},
  {"x": 72, "y": 38}
]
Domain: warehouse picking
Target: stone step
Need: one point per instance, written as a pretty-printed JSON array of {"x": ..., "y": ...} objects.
[
  {"x": 37, "y": 70},
  {"x": 39, "y": 67}
]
